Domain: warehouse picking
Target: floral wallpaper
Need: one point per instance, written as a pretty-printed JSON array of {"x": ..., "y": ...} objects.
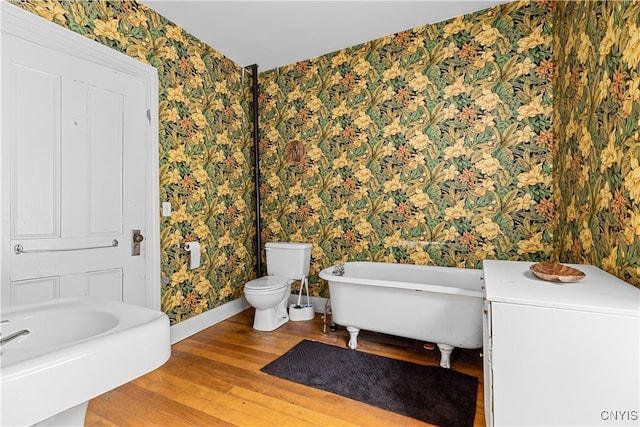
[
  {"x": 430, "y": 146},
  {"x": 205, "y": 150},
  {"x": 597, "y": 120}
]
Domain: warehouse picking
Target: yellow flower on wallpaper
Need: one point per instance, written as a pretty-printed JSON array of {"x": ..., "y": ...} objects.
[
  {"x": 586, "y": 238},
  {"x": 456, "y": 88},
  {"x": 610, "y": 37},
  {"x": 341, "y": 110},
  {"x": 609, "y": 154},
  {"x": 176, "y": 94},
  {"x": 485, "y": 185},
  {"x": 488, "y": 165},
  {"x": 109, "y": 30},
  {"x": 534, "y": 108},
  {"x": 419, "y": 82},
  {"x": 224, "y": 189},
  {"x": 339, "y": 59},
  {"x": 488, "y": 100},
  {"x": 523, "y": 68},
  {"x": 201, "y": 230},
  {"x": 488, "y": 229},
  {"x": 392, "y": 72},
  {"x": 393, "y": 128},
  {"x": 363, "y": 121},
  {"x": 364, "y": 228},
  {"x": 175, "y": 33},
  {"x": 531, "y": 245},
  {"x": 533, "y": 40},
  {"x": 420, "y": 200},
  {"x": 174, "y": 301},
  {"x": 393, "y": 184},
  {"x": 315, "y": 203},
  {"x": 584, "y": 49},
  {"x": 488, "y": 35},
  {"x": 631, "y": 52},
  {"x": 525, "y": 202},
  {"x": 138, "y": 19},
  {"x": 456, "y": 212},
  {"x": 179, "y": 215},
  {"x": 173, "y": 239},
  {"x": 605, "y": 197},
  {"x": 295, "y": 94},
  {"x": 419, "y": 141},
  {"x": 314, "y": 104},
  {"x": 341, "y": 162},
  {"x": 532, "y": 177},
  {"x": 52, "y": 11},
  {"x": 455, "y": 26},
  {"x": 610, "y": 262},
  {"x": 485, "y": 251},
  {"x": 456, "y": 150},
  {"x": 199, "y": 119},
  {"x": 420, "y": 256},
  {"x": 585, "y": 142},
  {"x": 224, "y": 240},
  {"x": 363, "y": 174},
  {"x": 632, "y": 180},
  {"x": 181, "y": 275},
  {"x": 203, "y": 286},
  {"x": 362, "y": 67},
  {"x": 177, "y": 155}
]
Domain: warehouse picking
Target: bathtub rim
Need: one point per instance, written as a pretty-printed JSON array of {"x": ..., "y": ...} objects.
[{"x": 326, "y": 274}]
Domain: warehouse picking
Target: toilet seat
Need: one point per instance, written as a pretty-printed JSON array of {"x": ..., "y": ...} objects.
[{"x": 267, "y": 283}]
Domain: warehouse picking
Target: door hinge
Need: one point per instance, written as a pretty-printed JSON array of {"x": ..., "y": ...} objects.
[{"x": 149, "y": 115}]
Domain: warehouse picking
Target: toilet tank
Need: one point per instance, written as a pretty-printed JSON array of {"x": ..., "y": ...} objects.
[{"x": 288, "y": 259}]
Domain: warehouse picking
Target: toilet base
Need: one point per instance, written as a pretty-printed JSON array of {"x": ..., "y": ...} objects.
[{"x": 270, "y": 319}]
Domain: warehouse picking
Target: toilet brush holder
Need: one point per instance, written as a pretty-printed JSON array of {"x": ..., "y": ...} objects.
[{"x": 299, "y": 312}]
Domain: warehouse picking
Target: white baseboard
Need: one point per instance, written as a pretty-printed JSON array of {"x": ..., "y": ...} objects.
[{"x": 195, "y": 324}]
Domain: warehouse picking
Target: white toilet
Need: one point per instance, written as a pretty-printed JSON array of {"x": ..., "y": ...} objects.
[{"x": 269, "y": 295}]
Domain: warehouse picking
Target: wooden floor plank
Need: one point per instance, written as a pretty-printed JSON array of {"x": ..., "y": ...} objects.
[{"x": 213, "y": 378}]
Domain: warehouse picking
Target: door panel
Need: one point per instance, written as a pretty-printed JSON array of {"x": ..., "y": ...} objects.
[
  {"x": 34, "y": 290},
  {"x": 36, "y": 151},
  {"x": 77, "y": 184}
]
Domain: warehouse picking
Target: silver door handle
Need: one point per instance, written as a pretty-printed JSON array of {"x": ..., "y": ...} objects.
[{"x": 19, "y": 249}]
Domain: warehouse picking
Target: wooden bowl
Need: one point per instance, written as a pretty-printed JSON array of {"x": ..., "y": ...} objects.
[{"x": 554, "y": 272}]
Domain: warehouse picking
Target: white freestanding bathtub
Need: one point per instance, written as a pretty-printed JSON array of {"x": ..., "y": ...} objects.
[{"x": 442, "y": 305}]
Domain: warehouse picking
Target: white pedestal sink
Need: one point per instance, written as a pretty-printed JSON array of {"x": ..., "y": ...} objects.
[{"x": 75, "y": 349}]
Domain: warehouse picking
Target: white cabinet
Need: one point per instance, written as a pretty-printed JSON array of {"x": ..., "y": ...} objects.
[{"x": 560, "y": 353}]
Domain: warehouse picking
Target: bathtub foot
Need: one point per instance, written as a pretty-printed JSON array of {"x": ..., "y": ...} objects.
[
  {"x": 353, "y": 340},
  {"x": 445, "y": 355}
]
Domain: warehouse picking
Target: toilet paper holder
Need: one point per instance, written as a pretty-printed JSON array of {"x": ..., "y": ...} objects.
[{"x": 193, "y": 250}]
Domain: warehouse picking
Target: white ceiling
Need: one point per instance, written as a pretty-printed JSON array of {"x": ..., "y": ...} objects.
[{"x": 276, "y": 33}]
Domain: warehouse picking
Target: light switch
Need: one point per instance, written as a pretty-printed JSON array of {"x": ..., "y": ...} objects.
[{"x": 166, "y": 209}]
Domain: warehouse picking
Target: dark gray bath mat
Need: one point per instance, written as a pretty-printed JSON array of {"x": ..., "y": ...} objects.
[{"x": 428, "y": 393}]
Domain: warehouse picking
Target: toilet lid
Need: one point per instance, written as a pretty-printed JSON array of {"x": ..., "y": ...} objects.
[{"x": 267, "y": 283}]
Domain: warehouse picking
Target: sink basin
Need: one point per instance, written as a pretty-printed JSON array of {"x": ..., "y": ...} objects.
[{"x": 75, "y": 350}]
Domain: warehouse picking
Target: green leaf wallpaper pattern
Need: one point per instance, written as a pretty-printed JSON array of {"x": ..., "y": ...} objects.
[
  {"x": 205, "y": 152},
  {"x": 597, "y": 181},
  {"x": 431, "y": 146}
]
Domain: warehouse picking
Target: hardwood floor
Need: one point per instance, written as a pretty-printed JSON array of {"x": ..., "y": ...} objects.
[{"x": 213, "y": 378}]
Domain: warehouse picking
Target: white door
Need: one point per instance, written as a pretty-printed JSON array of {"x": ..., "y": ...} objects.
[{"x": 77, "y": 133}]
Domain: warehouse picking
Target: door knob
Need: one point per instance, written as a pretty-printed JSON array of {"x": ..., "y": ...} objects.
[{"x": 136, "y": 238}]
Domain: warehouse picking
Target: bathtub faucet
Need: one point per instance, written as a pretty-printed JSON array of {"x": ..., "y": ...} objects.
[{"x": 338, "y": 270}]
